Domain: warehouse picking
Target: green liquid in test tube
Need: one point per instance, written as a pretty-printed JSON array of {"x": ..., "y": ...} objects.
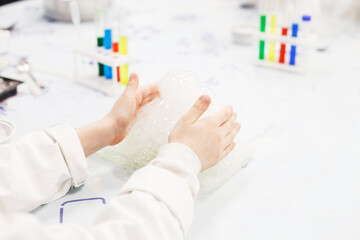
[
  {"x": 99, "y": 22},
  {"x": 100, "y": 43},
  {"x": 262, "y": 42},
  {"x": 262, "y": 50},
  {"x": 262, "y": 23}
]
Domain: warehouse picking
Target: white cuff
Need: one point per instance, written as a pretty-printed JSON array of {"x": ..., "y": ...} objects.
[
  {"x": 67, "y": 138},
  {"x": 182, "y": 154}
]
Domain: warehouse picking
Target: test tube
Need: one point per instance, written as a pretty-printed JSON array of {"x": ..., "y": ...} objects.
[
  {"x": 115, "y": 45},
  {"x": 294, "y": 34},
  {"x": 273, "y": 24},
  {"x": 262, "y": 42},
  {"x": 107, "y": 42},
  {"x": 99, "y": 20},
  {"x": 283, "y": 46},
  {"x": 305, "y": 27},
  {"x": 272, "y": 43},
  {"x": 294, "y": 30},
  {"x": 124, "y": 71}
]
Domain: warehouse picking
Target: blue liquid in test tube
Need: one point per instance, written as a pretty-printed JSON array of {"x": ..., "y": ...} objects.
[
  {"x": 107, "y": 45},
  {"x": 295, "y": 28},
  {"x": 292, "y": 55}
]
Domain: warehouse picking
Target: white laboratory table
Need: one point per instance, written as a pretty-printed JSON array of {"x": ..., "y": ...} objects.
[{"x": 302, "y": 184}]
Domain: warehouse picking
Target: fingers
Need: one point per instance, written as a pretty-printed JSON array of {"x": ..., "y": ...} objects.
[
  {"x": 223, "y": 115},
  {"x": 146, "y": 101},
  {"x": 142, "y": 101},
  {"x": 229, "y": 124},
  {"x": 149, "y": 98},
  {"x": 232, "y": 134},
  {"x": 227, "y": 150},
  {"x": 146, "y": 94},
  {"x": 229, "y": 140},
  {"x": 199, "y": 107},
  {"x": 132, "y": 86},
  {"x": 149, "y": 90}
]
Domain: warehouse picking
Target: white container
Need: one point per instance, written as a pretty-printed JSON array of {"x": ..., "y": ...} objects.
[
  {"x": 60, "y": 9},
  {"x": 7, "y": 131}
]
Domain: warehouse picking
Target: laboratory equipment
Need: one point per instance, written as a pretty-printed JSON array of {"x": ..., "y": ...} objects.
[
  {"x": 75, "y": 17},
  {"x": 60, "y": 9},
  {"x": 109, "y": 57},
  {"x": 8, "y": 88},
  {"x": 282, "y": 41},
  {"x": 99, "y": 23},
  {"x": 243, "y": 33},
  {"x": 115, "y": 46},
  {"x": 107, "y": 42},
  {"x": 24, "y": 67},
  {"x": 91, "y": 78},
  {"x": 123, "y": 49},
  {"x": 7, "y": 131},
  {"x": 107, "y": 46}
]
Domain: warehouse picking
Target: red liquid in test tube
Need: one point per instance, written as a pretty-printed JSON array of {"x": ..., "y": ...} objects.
[
  {"x": 115, "y": 47},
  {"x": 283, "y": 47}
]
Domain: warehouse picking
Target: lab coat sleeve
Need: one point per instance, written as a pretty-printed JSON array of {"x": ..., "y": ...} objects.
[
  {"x": 158, "y": 200},
  {"x": 40, "y": 168},
  {"x": 156, "y": 203}
]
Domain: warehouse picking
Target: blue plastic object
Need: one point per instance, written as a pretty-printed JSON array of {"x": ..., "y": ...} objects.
[
  {"x": 295, "y": 29},
  {"x": 306, "y": 18},
  {"x": 107, "y": 45},
  {"x": 108, "y": 72},
  {"x": 292, "y": 55},
  {"x": 107, "y": 39}
]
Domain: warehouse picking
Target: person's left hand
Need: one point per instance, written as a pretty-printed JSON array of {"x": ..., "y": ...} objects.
[{"x": 126, "y": 107}]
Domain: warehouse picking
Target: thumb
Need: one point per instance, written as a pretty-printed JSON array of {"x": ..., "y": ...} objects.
[
  {"x": 132, "y": 86},
  {"x": 199, "y": 107}
]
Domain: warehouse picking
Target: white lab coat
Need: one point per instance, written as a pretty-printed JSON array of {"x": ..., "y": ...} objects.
[{"x": 156, "y": 203}]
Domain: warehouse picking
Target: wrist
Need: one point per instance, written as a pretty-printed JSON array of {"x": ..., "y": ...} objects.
[
  {"x": 94, "y": 136},
  {"x": 183, "y": 154},
  {"x": 107, "y": 127}
]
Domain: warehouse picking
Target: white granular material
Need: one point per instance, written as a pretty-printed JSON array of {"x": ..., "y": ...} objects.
[{"x": 178, "y": 91}]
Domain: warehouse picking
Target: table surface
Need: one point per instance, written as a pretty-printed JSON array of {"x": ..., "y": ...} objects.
[{"x": 302, "y": 184}]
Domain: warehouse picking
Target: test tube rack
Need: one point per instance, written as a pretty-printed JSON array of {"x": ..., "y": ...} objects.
[
  {"x": 5, "y": 57},
  {"x": 110, "y": 87},
  {"x": 285, "y": 48}
]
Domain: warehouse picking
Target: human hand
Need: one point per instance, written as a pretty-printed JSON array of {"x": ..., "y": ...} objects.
[
  {"x": 126, "y": 107},
  {"x": 113, "y": 128},
  {"x": 211, "y": 138}
]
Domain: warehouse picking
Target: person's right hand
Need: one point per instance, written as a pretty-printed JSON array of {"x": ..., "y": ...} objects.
[{"x": 211, "y": 138}]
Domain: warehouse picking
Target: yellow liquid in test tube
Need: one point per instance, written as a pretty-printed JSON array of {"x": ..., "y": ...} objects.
[
  {"x": 123, "y": 45},
  {"x": 273, "y": 24},
  {"x": 272, "y": 44},
  {"x": 272, "y": 52},
  {"x": 124, "y": 73}
]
